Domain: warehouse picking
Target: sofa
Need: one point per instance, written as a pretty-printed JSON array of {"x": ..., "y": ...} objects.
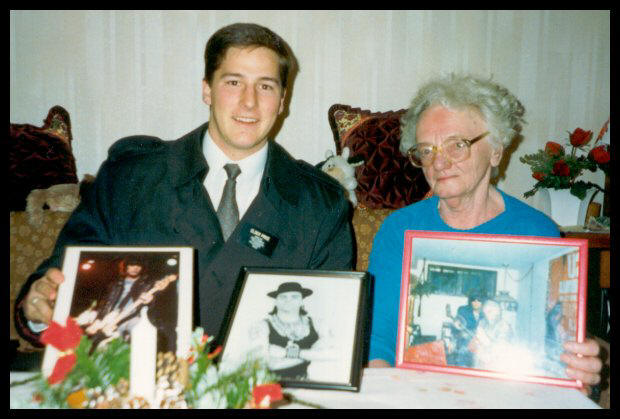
[{"x": 386, "y": 181}]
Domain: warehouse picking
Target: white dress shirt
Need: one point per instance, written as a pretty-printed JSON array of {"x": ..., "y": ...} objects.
[{"x": 248, "y": 181}]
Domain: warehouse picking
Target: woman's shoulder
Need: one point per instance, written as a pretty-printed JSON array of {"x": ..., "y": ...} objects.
[
  {"x": 522, "y": 216},
  {"x": 416, "y": 216},
  {"x": 423, "y": 209}
]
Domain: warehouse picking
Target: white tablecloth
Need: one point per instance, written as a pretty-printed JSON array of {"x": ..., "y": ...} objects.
[{"x": 394, "y": 388}]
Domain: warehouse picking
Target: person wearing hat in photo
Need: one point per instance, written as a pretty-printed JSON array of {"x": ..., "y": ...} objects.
[{"x": 289, "y": 335}]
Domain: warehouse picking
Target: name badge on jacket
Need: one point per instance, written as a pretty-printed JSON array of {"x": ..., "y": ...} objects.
[{"x": 258, "y": 240}]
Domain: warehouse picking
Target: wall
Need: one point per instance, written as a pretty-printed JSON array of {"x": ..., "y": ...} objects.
[{"x": 121, "y": 73}]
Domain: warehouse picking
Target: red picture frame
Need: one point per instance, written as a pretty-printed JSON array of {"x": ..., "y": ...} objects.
[{"x": 518, "y": 299}]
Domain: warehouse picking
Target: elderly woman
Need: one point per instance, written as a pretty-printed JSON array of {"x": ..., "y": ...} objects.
[{"x": 456, "y": 130}]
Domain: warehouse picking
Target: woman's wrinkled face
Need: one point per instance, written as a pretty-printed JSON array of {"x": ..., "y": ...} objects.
[
  {"x": 289, "y": 301},
  {"x": 446, "y": 178}
]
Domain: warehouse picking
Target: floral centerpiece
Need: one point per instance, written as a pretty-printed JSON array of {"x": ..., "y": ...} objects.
[
  {"x": 99, "y": 378},
  {"x": 555, "y": 168}
]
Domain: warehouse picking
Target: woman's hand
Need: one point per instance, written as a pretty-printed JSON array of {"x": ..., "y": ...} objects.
[
  {"x": 378, "y": 363},
  {"x": 583, "y": 362}
]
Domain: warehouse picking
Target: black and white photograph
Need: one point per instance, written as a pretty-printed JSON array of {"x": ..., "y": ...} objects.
[
  {"x": 307, "y": 326},
  {"x": 108, "y": 289},
  {"x": 507, "y": 304}
]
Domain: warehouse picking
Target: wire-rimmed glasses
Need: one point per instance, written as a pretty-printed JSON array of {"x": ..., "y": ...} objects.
[{"x": 455, "y": 149}]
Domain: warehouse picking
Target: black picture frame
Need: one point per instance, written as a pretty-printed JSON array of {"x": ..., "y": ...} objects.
[{"x": 332, "y": 325}]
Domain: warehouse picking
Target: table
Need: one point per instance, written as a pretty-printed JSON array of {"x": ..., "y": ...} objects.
[
  {"x": 395, "y": 388},
  {"x": 600, "y": 242},
  {"x": 599, "y": 256}
]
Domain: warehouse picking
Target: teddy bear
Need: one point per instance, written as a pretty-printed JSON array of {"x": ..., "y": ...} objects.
[
  {"x": 342, "y": 168},
  {"x": 63, "y": 197}
]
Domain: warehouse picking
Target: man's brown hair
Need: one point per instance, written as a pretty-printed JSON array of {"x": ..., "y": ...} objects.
[{"x": 246, "y": 35}]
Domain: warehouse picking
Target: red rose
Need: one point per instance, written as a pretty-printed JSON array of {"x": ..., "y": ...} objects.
[
  {"x": 539, "y": 176},
  {"x": 560, "y": 168},
  {"x": 580, "y": 137},
  {"x": 554, "y": 149},
  {"x": 600, "y": 154}
]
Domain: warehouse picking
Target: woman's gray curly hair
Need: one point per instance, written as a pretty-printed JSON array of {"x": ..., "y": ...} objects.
[{"x": 501, "y": 110}]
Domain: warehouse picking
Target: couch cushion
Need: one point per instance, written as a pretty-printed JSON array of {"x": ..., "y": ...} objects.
[
  {"x": 366, "y": 223},
  {"x": 28, "y": 247},
  {"x": 40, "y": 157},
  {"x": 386, "y": 179}
]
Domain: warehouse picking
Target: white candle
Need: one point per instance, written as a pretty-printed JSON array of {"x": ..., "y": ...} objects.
[{"x": 143, "y": 358}]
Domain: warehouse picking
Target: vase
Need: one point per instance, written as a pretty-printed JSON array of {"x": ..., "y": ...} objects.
[{"x": 565, "y": 208}]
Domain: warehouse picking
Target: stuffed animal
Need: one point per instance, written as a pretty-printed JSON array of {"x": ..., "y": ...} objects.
[
  {"x": 342, "y": 168},
  {"x": 63, "y": 197},
  {"x": 60, "y": 197}
]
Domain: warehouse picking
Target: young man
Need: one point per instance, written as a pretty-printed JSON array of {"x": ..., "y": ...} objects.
[{"x": 291, "y": 215}]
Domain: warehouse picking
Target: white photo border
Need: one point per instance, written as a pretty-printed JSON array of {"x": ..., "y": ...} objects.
[
  {"x": 238, "y": 317},
  {"x": 66, "y": 290}
]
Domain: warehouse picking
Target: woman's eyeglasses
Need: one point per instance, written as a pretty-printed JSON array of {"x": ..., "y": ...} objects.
[{"x": 455, "y": 149}]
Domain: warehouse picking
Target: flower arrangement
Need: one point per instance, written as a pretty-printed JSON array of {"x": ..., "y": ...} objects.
[
  {"x": 99, "y": 378},
  {"x": 554, "y": 168}
]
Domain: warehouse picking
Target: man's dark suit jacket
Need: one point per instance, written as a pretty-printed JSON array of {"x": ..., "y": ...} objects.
[{"x": 150, "y": 192}]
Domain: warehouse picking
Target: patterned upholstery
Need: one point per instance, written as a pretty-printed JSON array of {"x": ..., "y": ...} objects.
[
  {"x": 366, "y": 223},
  {"x": 39, "y": 157},
  {"x": 28, "y": 247},
  {"x": 386, "y": 179}
]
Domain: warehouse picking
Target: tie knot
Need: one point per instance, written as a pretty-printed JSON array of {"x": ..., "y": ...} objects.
[{"x": 232, "y": 170}]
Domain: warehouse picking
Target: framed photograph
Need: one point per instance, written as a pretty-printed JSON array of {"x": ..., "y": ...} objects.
[
  {"x": 107, "y": 289},
  {"x": 496, "y": 306},
  {"x": 309, "y": 326}
]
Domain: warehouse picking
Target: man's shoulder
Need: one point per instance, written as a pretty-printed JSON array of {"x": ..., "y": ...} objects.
[
  {"x": 315, "y": 174},
  {"x": 134, "y": 146},
  {"x": 295, "y": 175},
  {"x": 462, "y": 310}
]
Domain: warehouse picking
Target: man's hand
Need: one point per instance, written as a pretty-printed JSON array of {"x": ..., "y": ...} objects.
[
  {"x": 39, "y": 303},
  {"x": 583, "y": 363}
]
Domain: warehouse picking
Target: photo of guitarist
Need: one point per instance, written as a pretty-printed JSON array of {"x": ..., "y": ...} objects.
[{"x": 115, "y": 314}]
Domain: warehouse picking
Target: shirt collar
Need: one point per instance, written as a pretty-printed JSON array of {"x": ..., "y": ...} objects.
[{"x": 251, "y": 166}]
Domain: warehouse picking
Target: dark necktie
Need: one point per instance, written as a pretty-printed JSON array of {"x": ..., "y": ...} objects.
[{"x": 227, "y": 211}]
